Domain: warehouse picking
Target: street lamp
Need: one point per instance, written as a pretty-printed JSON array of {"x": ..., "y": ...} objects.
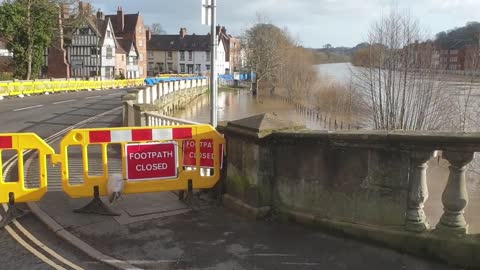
[{"x": 209, "y": 18}]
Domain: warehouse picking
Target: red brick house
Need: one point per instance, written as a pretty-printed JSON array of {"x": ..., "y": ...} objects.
[{"x": 131, "y": 29}]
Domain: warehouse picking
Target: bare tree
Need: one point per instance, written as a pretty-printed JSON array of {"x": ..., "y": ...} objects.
[
  {"x": 265, "y": 44},
  {"x": 399, "y": 82}
]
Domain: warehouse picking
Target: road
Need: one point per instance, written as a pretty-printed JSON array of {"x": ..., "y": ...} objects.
[
  {"x": 46, "y": 115},
  {"x": 215, "y": 239}
]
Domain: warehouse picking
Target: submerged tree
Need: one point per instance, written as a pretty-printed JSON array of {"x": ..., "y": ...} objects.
[
  {"x": 399, "y": 82},
  {"x": 28, "y": 26}
]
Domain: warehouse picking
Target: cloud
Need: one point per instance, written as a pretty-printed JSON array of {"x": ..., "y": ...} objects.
[{"x": 315, "y": 22}]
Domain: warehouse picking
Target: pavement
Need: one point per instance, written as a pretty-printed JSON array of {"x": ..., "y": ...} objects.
[{"x": 157, "y": 231}]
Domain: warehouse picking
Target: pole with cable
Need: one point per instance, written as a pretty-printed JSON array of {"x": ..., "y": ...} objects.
[{"x": 213, "y": 68}]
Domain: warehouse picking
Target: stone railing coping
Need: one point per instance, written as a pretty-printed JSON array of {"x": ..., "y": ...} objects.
[{"x": 410, "y": 140}]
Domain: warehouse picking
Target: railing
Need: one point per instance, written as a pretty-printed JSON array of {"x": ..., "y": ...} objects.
[
  {"x": 157, "y": 119},
  {"x": 370, "y": 184}
]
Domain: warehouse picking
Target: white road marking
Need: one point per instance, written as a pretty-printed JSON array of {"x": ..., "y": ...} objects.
[
  {"x": 65, "y": 101},
  {"x": 8, "y": 164},
  {"x": 299, "y": 263},
  {"x": 92, "y": 97},
  {"x": 115, "y": 94},
  {"x": 273, "y": 255},
  {"x": 26, "y": 108}
]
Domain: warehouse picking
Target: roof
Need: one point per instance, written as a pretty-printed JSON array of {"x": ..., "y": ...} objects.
[
  {"x": 130, "y": 22},
  {"x": 177, "y": 43},
  {"x": 125, "y": 45}
]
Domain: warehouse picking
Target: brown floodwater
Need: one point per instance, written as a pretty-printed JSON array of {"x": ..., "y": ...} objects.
[{"x": 238, "y": 104}]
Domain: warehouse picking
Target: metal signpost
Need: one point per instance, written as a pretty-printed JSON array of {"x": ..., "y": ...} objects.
[{"x": 209, "y": 18}]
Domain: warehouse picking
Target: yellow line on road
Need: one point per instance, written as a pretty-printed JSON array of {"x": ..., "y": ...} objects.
[
  {"x": 31, "y": 249},
  {"x": 41, "y": 245}
]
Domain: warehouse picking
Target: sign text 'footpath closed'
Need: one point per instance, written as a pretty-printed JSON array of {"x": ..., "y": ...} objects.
[{"x": 151, "y": 160}]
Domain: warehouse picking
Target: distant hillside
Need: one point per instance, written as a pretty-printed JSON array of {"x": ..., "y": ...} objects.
[
  {"x": 459, "y": 36},
  {"x": 329, "y": 54}
]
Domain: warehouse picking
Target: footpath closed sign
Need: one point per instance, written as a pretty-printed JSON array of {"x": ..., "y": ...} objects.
[
  {"x": 151, "y": 160},
  {"x": 206, "y": 153}
]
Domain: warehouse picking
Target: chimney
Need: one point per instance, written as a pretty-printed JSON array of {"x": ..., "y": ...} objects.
[
  {"x": 224, "y": 30},
  {"x": 183, "y": 32},
  {"x": 84, "y": 8},
  {"x": 64, "y": 11},
  {"x": 218, "y": 29},
  {"x": 120, "y": 19},
  {"x": 100, "y": 15}
]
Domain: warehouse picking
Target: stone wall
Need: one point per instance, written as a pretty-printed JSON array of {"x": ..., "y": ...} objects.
[{"x": 367, "y": 184}]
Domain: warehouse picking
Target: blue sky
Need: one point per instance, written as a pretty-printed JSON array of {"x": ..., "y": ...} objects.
[{"x": 313, "y": 22}]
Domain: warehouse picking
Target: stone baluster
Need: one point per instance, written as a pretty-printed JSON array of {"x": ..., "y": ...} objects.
[
  {"x": 418, "y": 192},
  {"x": 455, "y": 197}
]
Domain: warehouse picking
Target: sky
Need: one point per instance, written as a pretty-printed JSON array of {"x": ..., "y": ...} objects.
[{"x": 313, "y": 22}]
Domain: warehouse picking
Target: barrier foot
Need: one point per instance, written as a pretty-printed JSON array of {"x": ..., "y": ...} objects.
[
  {"x": 97, "y": 206},
  {"x": 13, "y": 212}
]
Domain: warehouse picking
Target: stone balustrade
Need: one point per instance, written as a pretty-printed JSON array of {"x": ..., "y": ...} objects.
[
  {"x": 369, "y": 184},
  {"x": 163, "y": 98}
]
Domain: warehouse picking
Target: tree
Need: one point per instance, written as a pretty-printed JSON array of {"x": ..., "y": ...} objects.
[
  {"x": 399, "y": 84},
  {"x": 264, "y": 44},
  {"x": 28, "y": 26},
  {"x": 157, "y": 29}
]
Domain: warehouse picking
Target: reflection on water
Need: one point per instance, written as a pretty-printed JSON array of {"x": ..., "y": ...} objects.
[
  {"x": 233, "y": 105},
  {"x": 238, "y": 104}
]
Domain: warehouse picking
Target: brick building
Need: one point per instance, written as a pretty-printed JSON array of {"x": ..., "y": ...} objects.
[{"x": 131, "y": 29}]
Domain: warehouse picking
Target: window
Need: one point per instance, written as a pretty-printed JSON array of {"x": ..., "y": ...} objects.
[
  {"x": 141, "y": 71},
  {"x": 139, "y": 29},
  {"x": 109, "y": 33},
  {"x": 123, "y": 57},
  {"x": 453, "y": 51},
  {"x": 109, "y": 53},
  {"x": 151, "y": 65},
  {"x": 198, "y": 67},
  {"x": 208, "y": 67},
  {"x": 160, "y": 67},
  {"x": 170, "y": 66},
  {"x": 208, "y": 55},
  {"x": 93, "y": 51},
  {"x": 93, "y": 73},
  {"x": 150, "y": 54},
  {"x": 169, "y": 55},
  {"x": 182, "y": 56},
  {"x": 140, "y": 43},
  {"x": 83, "y": 31},
  {"x": 453, "y": 59},
  {"x": 141, "y": 57},
  {"x": 182, "y": 68},
  {"x": 190, "y": 56}
]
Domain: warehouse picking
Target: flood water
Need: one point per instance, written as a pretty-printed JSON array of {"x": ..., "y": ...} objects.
[{"x": 238, "y": 104}]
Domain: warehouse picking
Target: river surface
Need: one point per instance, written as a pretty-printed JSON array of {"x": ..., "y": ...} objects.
[{"x": 238, "y": 104}]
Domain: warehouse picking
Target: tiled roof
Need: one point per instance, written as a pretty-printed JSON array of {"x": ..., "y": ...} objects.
[
  {"x": 125, "y": 45},
  {"x": 177, "y": 43},
  {"x": 130, "y": 22}
]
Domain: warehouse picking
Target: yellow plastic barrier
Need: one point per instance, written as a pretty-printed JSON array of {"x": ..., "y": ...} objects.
[
  {"x": 130, "y": 137},
  {"x": 4, "y": 90},
  {"x": 22, "y": 142}
]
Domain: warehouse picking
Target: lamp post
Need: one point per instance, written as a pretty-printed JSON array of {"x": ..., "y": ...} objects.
[{"x": 209, "y": 17}]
